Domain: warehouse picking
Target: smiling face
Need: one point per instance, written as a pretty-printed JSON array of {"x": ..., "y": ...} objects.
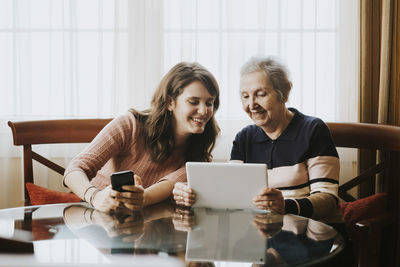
[
  {"x": 191, "y": 110},
  {"x": 260, "y": 101}
]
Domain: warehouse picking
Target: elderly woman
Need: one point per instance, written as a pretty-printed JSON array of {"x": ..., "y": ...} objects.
[{"x": 303, "y": 164}]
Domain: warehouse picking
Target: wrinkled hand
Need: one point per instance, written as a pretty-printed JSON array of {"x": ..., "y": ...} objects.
[
  {"x": 270, "y": 199},
  {"x": 183, "y": 219},
  {"x": 268, "y": 224},
  {"x": 184, "y": 195},
  {"x": 109, "y": 199}
]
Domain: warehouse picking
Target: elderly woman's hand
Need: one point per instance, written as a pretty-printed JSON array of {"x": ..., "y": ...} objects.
[
  {"x": 184, "y": 195},
  {"x": 270, "y": 199}
]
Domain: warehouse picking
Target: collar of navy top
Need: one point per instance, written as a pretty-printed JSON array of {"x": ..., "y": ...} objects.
[{"x": 288, "y": 134}]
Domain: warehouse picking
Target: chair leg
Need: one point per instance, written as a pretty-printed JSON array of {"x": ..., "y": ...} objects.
[{"x": 367, "y": 247}]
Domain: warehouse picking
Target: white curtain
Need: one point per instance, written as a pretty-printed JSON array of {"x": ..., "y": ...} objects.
[{"x": 97, "y": 58}]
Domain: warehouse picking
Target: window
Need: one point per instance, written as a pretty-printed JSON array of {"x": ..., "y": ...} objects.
[
  {"x": 100, "y": 57},
  {"x": 97, "y": 58},
  {"x": 59, "y": 57},
  {"x": 305, "y": 34}
]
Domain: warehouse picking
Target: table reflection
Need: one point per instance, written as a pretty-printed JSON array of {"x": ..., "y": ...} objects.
[
  {"x": 150, "y": 231},
  {"x": 225, "y": 236},
  {"x": 198, "y": 237},
  {"x": 259, "y": 238}
]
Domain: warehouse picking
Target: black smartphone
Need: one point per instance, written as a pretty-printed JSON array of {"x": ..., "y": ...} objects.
[{"x": 118, "y": 179}]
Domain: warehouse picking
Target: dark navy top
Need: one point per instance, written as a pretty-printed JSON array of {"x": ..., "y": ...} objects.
[{"x": 303, "y": 160}]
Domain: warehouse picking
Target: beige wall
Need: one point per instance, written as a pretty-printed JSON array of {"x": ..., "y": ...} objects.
[{"x": 10, "y": 182}]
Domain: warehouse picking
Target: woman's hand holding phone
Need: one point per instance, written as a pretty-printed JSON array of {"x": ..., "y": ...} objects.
[
  {"x": 133, "y": 195},
  {"x": 123, "y": 196},
  {"x": 130, "y": 190}
]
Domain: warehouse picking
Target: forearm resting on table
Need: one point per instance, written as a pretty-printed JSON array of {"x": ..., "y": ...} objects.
[
  {"x": 158, "y": 192},
  {"x": 78, "y": 182}
]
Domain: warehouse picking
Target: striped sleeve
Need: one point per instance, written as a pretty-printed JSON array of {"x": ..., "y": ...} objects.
[
  {"x": 323, "y": 174},
  {"x": 323, "y": 162}
]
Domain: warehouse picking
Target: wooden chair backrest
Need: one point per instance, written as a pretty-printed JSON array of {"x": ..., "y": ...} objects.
[
  {"x": 28, "y": 133},
  {"x": 385, "y": 138},
  {"x": 383, "y": 229},
  {"x": 378, "y": 137}
]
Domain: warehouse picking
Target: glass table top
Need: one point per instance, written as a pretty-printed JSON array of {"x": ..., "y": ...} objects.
[{"x": 169, "y": 235}]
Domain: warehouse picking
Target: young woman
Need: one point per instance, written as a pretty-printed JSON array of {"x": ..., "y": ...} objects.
[{"x": 154, "y": 143}]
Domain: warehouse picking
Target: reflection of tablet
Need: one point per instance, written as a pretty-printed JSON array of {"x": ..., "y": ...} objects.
[
  {"x": 225, "y": 236},
  {"x": 226, "y": 185}
]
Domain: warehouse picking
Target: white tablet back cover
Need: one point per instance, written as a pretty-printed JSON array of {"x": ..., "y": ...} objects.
[{"x": 226, "y": 185}]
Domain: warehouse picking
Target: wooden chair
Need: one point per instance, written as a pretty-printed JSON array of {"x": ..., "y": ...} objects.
[
  {"x": 383, "y": 229},
  {"x": 28, "y": 133}
]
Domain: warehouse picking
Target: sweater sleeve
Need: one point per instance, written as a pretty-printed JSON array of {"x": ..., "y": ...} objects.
[
  {"x": 323, "y": 172},
  {"x": 176, "y": 176},
  {"x": 114, "y": 138},
  {"x": 323, "y": 162}
]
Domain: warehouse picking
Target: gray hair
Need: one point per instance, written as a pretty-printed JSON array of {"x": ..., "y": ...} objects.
[{"x": 275, "y": 71}]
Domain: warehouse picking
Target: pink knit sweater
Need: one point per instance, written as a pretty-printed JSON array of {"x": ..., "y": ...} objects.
[{"x": 120, "y": 146}]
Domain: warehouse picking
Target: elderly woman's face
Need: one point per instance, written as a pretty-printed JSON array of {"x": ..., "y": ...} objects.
[{"x": 260, "y": 101}]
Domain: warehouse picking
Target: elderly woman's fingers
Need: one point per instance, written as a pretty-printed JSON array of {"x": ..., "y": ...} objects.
[
  {"x": 277, "y": 205},
  {"x": 270, "y": 199}
]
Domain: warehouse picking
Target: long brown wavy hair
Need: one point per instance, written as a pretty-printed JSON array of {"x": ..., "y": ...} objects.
[{"x": 157, "y": 121}]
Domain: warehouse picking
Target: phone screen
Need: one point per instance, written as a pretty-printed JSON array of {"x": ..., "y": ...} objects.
[{"x": 118, "y": 179}]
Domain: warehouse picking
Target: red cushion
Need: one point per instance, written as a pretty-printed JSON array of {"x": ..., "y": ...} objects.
[
  {"x": 41, "y": 196},
  {"x": 364, "y": 208}
]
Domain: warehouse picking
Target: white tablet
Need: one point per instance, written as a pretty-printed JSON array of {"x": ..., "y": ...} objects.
[{"x": 226, "y": 185}]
